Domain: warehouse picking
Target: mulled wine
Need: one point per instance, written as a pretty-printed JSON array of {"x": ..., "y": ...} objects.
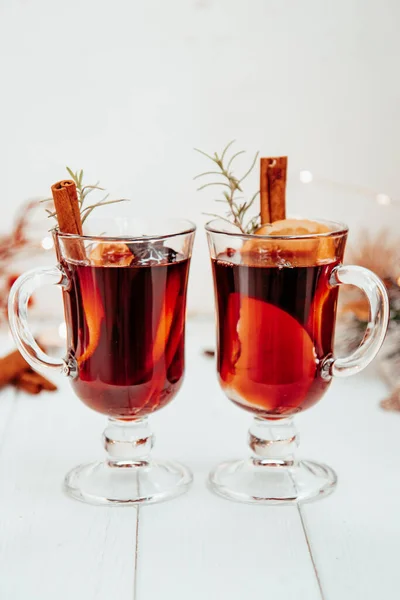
[
  {"x": 275, "y": 327},
  {"x": 124, "y": 287},
  {"x": 276, "y": 296},
  {"x": 126, "y": 325}
]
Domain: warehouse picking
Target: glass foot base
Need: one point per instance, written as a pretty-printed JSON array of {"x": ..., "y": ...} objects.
[
  {"x": 259, "y": 482},
  {"x": 127, "y": 483}
]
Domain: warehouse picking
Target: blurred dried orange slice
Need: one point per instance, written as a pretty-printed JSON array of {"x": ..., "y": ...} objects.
[
  {"x": 293, "y": 227},
  {"x": 111, "y": 255},
  {"x": 298, "y": 251}
]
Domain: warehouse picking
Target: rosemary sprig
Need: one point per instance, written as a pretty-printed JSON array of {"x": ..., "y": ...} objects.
[
  {"x": 237, "y": 210},
  {"x": 83, "y": 191}
]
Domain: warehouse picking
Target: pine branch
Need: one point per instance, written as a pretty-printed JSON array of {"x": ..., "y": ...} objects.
[
  {"x": 237, "y": 210},
  {"x": 83, "y": 190},
  {"x": 86, "y": 212}
]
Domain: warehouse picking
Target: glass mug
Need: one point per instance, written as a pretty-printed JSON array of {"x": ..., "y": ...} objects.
[
  {"x": 124, "y": 292},
  {"x": 276, "y": 298}
]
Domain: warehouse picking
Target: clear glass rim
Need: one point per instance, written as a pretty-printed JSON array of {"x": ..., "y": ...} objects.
[
  {"x": 187, "y": 228},
  {"x": 336, "y": 230}
]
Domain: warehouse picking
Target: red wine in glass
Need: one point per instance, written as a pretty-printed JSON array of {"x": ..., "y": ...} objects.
[
  {"x": 275, "y": 327},
  {"x": 124, "y": 290},
  {"x": 126, "y": 328},
  {"x": 276, "y": 298}
]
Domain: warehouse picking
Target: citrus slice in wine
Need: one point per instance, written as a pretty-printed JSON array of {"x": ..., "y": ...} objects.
[
  {"x": 111, "y": 255},
  {"x": 272, "y": 356},
  {"x": 301, "y": 250}
]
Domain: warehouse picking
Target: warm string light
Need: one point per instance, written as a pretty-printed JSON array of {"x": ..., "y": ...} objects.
[
  {"x": 306, "y": 176},
  {"x": 62, "y": 331},
  {"x": 47, "y": 243},
  {"x": 380, "y": 198},
  {"x": 383, "y": 199}
]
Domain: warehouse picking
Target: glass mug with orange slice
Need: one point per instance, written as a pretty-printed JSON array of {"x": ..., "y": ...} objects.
[
  {"x": 276, "y": 295},
  {"x": 124, "y": 291}
]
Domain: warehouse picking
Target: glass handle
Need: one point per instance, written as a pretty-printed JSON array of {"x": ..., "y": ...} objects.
[
  {"x": 18, "y": 300},
  {"x": 375, "y": 332}
]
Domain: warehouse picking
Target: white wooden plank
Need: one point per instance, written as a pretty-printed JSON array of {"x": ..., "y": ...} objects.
[
  {"x": 8, "y": 393},
  {"x": 6, "y": 341},
  {"x": 355, "y": 533},
  {"x": 200, "y": 546},
  {"x": 7, "y": 408},
  {"x": 51, "y": 546}
]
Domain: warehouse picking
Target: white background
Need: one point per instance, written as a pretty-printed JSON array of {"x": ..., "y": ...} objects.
[{"x": 125, "y": 89}]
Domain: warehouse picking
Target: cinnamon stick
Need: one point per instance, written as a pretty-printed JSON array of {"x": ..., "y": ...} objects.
[
  {"x": 33, "y": 383},
  {"x": 68, "y": 216},
  {"x": 14, "y": 369},
  {"x": 33, "y": 378},
  {"x": 11, "y": 366},
  {"x": 28, "y": 387},
  {"x": 264, "y": 191},
  {"x": 67, "y": 207},
  {"x": 273, "y": 189}
]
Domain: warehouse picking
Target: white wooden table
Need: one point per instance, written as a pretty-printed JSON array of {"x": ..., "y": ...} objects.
[{"x": 199, "y": 547}]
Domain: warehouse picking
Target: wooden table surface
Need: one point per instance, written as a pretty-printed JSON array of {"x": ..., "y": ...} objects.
[{"x": 199, "y": 546}]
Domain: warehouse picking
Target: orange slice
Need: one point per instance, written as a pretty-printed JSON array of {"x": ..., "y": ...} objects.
[
  {"x": 94, "y": 314},
  {"x": 293, "y": 227},
  {"x": 299, "y": 251},
  {"x": 111, "y": 255},
  {"x": 166, "y": 317},
  {"x": 269, "y": 358}
]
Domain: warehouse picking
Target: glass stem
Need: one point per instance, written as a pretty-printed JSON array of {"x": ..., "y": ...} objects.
[
  {"x": 273, "y": 442},
  {"x": 128, "y": 443}
]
